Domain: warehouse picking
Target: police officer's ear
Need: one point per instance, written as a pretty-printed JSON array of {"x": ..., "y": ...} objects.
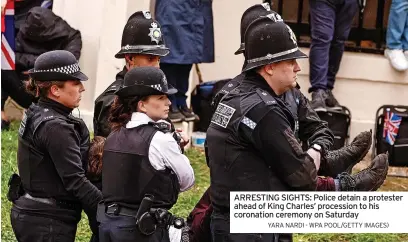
[
  {"x": 269, "y": 69},
  {"x": 141, "y": 107},
  {"x": 129, "y": 60},
  {"x": 55, "y": 90}
]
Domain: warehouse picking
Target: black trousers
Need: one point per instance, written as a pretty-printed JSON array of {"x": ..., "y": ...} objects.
[
  {"x": 118, "y": 228},
  {"x": 29, "y": 228},
  {"x": 177, "y": 75}
]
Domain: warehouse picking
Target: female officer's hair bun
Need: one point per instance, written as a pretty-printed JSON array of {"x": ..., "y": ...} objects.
[
  {"x": 41, "y": 88},
  {"x": 121, "y": 111}
]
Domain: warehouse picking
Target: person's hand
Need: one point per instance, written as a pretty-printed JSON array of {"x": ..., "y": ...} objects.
[
  {"x": 184, "y": 139},
  {"x": 316, "y": 156}
]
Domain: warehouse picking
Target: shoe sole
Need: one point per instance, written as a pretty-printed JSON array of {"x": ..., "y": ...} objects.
[
  {"x": 189, "y": 119},
  {"x": 384, "y": 175},
  {"x": 176, "y": 120},
  {"x": 350, "y": 168},
  {"x": 335, "y": 108},
  {"x": 320, "y": 109}
]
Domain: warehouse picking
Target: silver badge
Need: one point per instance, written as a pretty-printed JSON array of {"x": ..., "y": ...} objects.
[
  {"x": 147, "y": 14},
  {"x": 155, "y": 33},
  {"x": 164, "y": 81},
  {"x": 266, "y": 6},
  {"x": 292, "y": 35}
]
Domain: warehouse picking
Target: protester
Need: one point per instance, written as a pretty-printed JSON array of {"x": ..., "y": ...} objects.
[{"x": 94, "y": 174}]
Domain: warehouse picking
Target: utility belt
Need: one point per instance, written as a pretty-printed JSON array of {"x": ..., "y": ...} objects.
[
  {"x": 16, "y": 191},
  {"x": 147, "y": 218}
]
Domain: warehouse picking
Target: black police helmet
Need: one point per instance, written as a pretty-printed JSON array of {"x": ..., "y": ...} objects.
[
  {"x": 57, "y": 65},
  {"x": 142, "y": 35},
  {"x": 267, "y": 41},
  {"x": 145, "y": 81},
  {"x": 252, "y": 13}
]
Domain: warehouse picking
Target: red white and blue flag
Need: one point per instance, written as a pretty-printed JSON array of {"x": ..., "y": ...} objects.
[
  {"x": 8, "y": 38},
  {"x": 391, "y": 126}
]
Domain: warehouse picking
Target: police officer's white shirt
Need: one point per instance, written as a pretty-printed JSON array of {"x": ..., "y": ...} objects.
[{"x": 165, "y": 152}]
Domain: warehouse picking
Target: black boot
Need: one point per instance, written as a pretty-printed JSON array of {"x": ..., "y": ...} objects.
[
  {"x": 331, "y": 101},
  {"x": 369, "y": 179},
  {"x": 343, "y": 159},
  {"x": 175, "y": 115},
  {"x": 189, "y": 115},
  {"x": 319, "y": 100}
]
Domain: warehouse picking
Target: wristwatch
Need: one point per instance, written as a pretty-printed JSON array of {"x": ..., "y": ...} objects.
[{"x": 317, "y": 148}]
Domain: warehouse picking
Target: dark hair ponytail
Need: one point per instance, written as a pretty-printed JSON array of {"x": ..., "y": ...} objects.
[
  {"x": 41, "y": 88},
  {"x": 121, "y": 111}
]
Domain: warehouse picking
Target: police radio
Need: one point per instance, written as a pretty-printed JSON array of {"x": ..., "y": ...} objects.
[
  {"x": 167, "y": 127},
  {"x": 16, "y": 189},
  {"x": 144, "y": 219}
]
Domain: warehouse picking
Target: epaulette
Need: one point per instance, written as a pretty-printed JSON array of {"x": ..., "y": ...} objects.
[
  {"x": 113, "y": 88},
  {"x": 266, "y": 97},
  {"x": 46, "y": 114},
  {"x": 161, "y": 125},
  {"x": 227, "y": 88}
]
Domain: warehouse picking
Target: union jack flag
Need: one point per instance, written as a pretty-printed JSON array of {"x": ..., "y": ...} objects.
[
  {"x": 8, "y": 38},
  {"x": 391, "y": 126}
]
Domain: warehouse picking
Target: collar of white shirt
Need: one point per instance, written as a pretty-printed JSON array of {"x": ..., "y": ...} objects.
[{"x": 138, "y": 119}]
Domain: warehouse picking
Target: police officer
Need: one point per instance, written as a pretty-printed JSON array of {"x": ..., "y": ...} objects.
[
  {"x": 52, "y": 154},
  {"x": 142, "y": 45},
  {"x": 251, "y": 123},
  {"x": 309, "y": 128},
  {"x": 142, "y": 162}
]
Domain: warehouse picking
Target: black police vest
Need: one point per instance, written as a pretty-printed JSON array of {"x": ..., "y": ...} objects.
[
  {"x": 128, "y": 174},
  {"x": 36, "y": 169},
  {"x": 235, "y": 164},
  {"x": 291, "y": 98}
]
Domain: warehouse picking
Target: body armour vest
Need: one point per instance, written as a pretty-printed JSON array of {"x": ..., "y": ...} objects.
[
  {"x": 37, "y": 171},
  {"x": 291, "y": 98},
  {"x": 235, "y": 164},
  {"x": 128, "y": 174}
]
